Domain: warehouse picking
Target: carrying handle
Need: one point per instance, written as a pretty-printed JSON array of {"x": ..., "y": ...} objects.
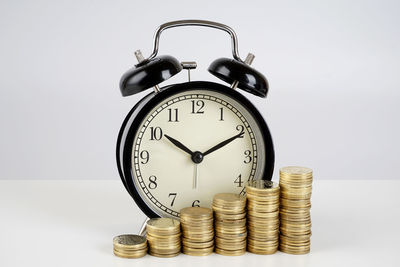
[{"x": 204, "y": 23}]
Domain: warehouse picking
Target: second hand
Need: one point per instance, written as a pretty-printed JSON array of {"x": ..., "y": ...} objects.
[{"x": 196, "y": 172}]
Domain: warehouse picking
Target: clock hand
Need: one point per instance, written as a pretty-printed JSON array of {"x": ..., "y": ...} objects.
[
  {"x": 196, "y": 175},
  {"x": 179, "y": 145},
  {"x": 227, "y": 141}
]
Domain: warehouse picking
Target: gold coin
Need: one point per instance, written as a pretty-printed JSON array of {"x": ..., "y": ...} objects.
[
  {"x": 291, "y": 193},
  {"x": 231, "y": 222},
  {"x": 163, "y": 237},
  {"x": 294, "y": 212},
  {"x": 263, "y": 244},
  {"x": 231, "y": 236},
  {"x": 198, "y": 251},
  {"x": 133, "y": 255},
  {"x": 295, "y": 242},
  {"x": 229, "y": 198},
  {"x": 259, "y": 223},
  {"x": 262, "y": 251},
  {"x": 263, "y": 209},
  {"x": 230, "y": 252},
  {"x": 203, "y": 222},
  {"x": 163, "y": 225},
  {"x": 263, "y": 230},
  {"x": 165, "y": 250},
  {"x": 294, "y": 250},
  {"x": 262, "y": 187},
  {"x": 200, "y": 238},
  {"x": 296, "y": 171},
  {"x": 125, "y": 250},
  {"x": 205, "y": 235},
  {"x": 130, "y": 241},
  {"x": 164, "y": 255},
  {"x": 230, "y": 231},
  {"x": 226, "y": 241},
  {"x": 220, "y": 216},
  {"x": 156, "y": 244},
  {"x": 204, "y": 231},
  {"x": 189, "y": 243},
  {"x": 196, "y": 213}
]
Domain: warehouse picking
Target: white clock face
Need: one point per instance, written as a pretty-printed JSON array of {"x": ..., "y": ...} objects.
[{"x": 167, "y": 175}]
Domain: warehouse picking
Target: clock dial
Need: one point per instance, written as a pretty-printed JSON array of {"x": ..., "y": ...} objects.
[{"x": 192, "y": 146}]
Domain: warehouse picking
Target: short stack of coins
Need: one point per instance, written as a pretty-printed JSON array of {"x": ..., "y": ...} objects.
[
  {"x": 295, "y": 204},
  {"x": 262, "y": 216},
  {"x": 130, "y": 246},
  {"x": 164, "y": 237},
  {"x": 230, "y": 224},
  {"x": 197, "y": 231}
]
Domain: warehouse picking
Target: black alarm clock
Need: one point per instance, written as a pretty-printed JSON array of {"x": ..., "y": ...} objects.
[{"x": 183, "y": 143}]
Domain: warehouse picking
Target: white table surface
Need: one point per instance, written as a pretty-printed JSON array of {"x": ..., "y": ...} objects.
[{"x": 72, "y": 223}]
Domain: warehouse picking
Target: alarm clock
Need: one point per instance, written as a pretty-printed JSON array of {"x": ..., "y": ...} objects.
[{"x": 183, "y": 143}]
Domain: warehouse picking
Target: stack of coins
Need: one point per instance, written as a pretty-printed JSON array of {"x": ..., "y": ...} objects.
[
  {"x": 230, "y": 224},
  {"x": 164, "y": 237},
  {"x": 295, "y": 204},
  {"x": 262, "y": 216},
  {"x": 197, "y": 231},
  {"x": 130, "y": 246}
]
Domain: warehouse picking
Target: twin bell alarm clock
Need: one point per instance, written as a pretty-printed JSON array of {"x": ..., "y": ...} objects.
[{"x": 183, "y": 143}]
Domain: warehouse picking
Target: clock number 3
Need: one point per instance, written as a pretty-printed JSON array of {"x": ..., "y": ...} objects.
[{"x": 248, "y": 157}]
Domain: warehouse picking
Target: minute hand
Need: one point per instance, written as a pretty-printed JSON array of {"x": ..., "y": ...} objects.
[{"x": 240, "y": 135}]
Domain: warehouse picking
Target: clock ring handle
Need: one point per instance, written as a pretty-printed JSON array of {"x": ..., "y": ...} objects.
[{"x": 204, "y": 23}]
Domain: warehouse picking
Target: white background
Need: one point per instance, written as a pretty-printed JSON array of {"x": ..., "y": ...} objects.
[{"x": 333, "y": 68}]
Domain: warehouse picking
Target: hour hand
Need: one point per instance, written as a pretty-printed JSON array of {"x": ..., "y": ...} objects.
[{"x": 179, "y": 144}]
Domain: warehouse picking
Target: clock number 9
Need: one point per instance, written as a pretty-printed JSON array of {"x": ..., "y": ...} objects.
[
  {"x": 152, "y": 182},
  {"x": 145, "y": 156}
]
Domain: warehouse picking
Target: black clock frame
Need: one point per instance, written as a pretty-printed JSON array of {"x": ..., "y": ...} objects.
[{"x": 139, "y": 112}]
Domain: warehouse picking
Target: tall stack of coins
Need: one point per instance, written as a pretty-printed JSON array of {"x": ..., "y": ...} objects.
[
  {"x": 197, "y": 230},
  {"x": 130, "y": 246},
  {"x": 230, "y": 224},
  {"x": 164, "y": 237},
  {"x": 295, "y": 204},
  {"x": 262, "y": 216}
]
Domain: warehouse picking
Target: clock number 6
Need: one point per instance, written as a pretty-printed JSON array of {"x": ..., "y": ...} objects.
[
  {"x": 152, "y": 182},
  {"x": 173, "y": 198},
  {"x": 196, "y": 203}
]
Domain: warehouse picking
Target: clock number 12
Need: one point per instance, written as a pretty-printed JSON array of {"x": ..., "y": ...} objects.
[{"x": 197, "y": 107}]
